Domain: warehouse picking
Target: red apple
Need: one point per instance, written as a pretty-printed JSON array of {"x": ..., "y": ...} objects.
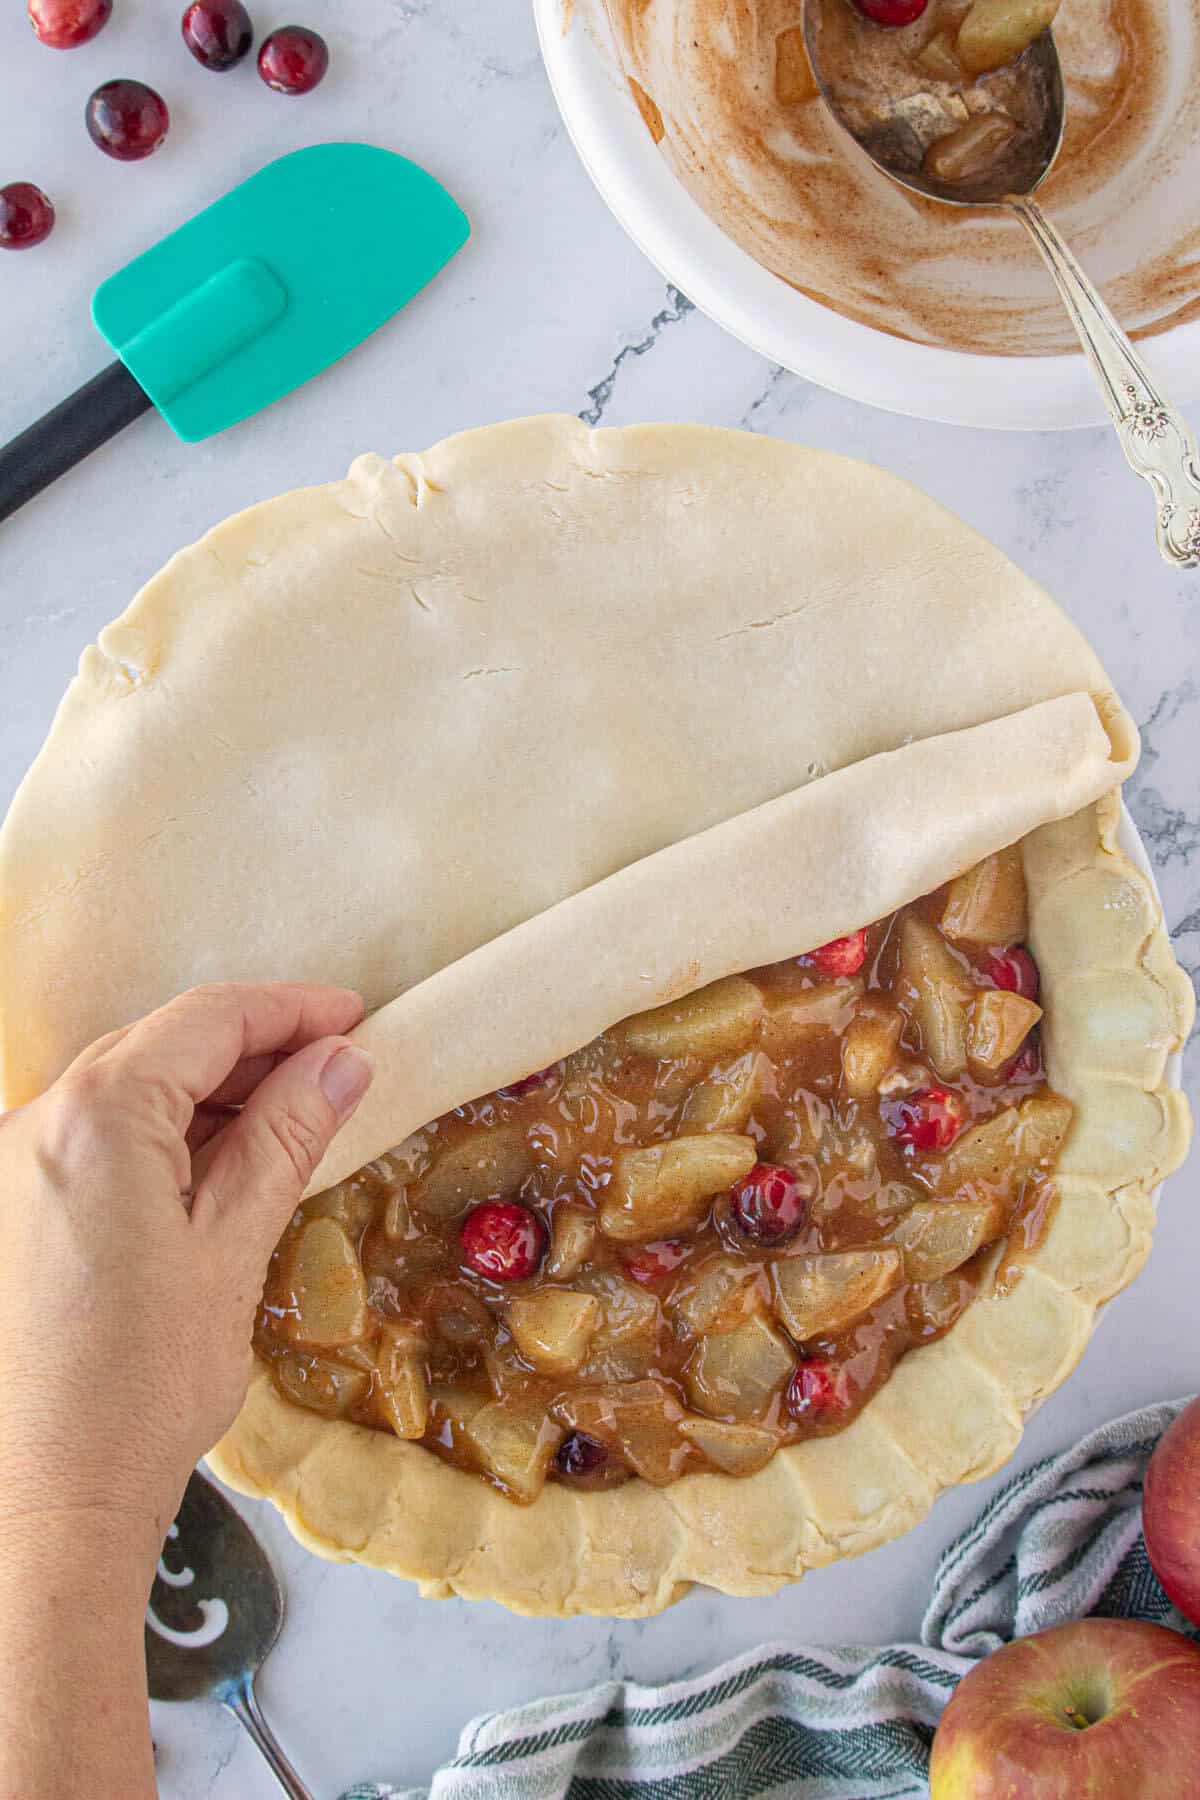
[
  {"x": 1171, "y": 1511},
  {"x": 1107, "y": 1708}
]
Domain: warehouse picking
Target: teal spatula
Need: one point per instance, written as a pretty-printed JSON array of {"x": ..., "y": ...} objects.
[{"x": 248, "y": 300}]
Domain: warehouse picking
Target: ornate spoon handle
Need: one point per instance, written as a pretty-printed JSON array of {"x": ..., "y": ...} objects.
[{"x": 1157, "y": 443}]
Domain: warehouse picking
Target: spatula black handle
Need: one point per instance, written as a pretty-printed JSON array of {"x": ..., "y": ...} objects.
[{"x": 93, "y": 414}]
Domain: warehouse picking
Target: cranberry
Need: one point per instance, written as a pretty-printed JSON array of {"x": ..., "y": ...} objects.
[
  {"x": 217, "y": 32},
  {"x": 65, "y": 23},
  {"x": 768, "y": 1204},
  {"x": 1015, "y": 970},
  {"x": 844, "y": 956},
  {"x": 928, "y": 1120},
  {"x": 293, "y": 60},
  {"x": 817, "y": 1387},
  {"x": 26, "y": 216},
  {"x": 891, "y": 12},
  {"x": 503, "y": 1241},
  {"x": 528, "y": 1084},
  {"x": 652, "y": 1261},
  {"x": 1027, "y": 1065},
  {"x": 127, "y": 119},
  {"x": 580, "y": 1454}
]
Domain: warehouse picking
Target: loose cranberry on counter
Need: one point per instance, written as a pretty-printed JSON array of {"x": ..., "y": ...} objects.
[
  {"x": 293, "y": 60},
  {"x": 768, "y": 1204},
  {"x": 843, "y": 956},
  {"x": 928, "y": 1120},
  {"x": 26, "y": 216},
  {"x": 1015, "y": 970},
  {"x": 580, "y": 1454},
  {"x": 891, "y": 12},
  {"x": 817, "y": 1388},
  {"x": 218, "y": 33},
  {"x": 127, "y": 120},
  {"x": 64, "y": 24},
  {"x": 503, "y": 1241},
  {"x": 650, "y": 1262}
]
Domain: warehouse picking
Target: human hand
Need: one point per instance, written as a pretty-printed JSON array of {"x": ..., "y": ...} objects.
[{"x": 138, "y": 1212}]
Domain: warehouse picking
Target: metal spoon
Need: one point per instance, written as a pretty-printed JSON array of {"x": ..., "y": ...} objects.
[
  {"x": 895, "y": 130},
  {"x": 212, "y": 1647}
]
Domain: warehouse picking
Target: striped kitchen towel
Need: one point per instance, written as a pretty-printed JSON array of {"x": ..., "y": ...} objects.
[{"x": 1060, "y": 1540}]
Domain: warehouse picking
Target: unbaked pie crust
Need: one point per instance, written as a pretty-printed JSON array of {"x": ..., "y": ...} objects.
[{"x": 483, "y": 733}]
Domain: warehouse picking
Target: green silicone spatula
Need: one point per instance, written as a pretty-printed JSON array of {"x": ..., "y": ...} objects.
[{"x": 248, "y": 300}]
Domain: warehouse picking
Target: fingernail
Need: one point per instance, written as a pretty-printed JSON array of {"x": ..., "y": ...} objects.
[{"x": 346, "y": 1078}]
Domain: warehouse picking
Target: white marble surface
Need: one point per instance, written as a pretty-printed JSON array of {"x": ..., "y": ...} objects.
[{"x": 548, "y": 308}]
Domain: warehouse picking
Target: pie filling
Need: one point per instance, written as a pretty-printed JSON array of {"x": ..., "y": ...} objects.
[{"x": 709, "y": 1234}]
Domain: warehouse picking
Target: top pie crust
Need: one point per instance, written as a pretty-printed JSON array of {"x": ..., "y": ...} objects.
[{"x": 483, "y": 732}]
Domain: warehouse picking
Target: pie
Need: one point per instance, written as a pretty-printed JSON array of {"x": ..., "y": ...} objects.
[{"x": 771, "y": 1037}]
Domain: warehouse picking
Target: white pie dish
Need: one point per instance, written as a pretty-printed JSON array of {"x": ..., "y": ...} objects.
[{"x": 725, "y": 282}]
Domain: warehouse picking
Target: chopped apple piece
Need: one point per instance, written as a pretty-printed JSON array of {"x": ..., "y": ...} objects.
[
  {"x": 973, "y": 149},
  {"x": 734, "y": 1449},
  {"x": 322, "y": 1385},
  {"x": 351, "y": 1203},
  {"x": 397, "y": 1217},
  {"x": 815, "y": 1295},
  {"x": 572, "y": 1238},
  {"x": 1005, "y": 1148},
  {"x": 725, "y": 1101},
  {"x": 999, "y": 1023},
  {"x": 488, "y": 1165},
  {"x": 457, "y": 1404},
  {"x": 995, "y": 32},
  {"x": 641, "y": 1419},
  {"x": 988, "y": 904},
  {"x": 739, "y": 1372},
  {"x": 515, "y": 1440},
  {"x": 792, "y": 1018},
  {"x": 666, "y": 1187},
  {"x": 938, "y": 1236},
  {"x": 939, "y": 993},
  {"x": 328, "y": 1289},
  {"x": 554, "y": 1327},
  {"x": 457, "y": 1316},
  {"x": 936, "y": 1304},
  {"x": 403, "y": 1381},
  {"x": 709, "y": 1287},
  {"x": 717, "y": 1020},
  {"x": 795, "y": 83},
  {"x": 938, "y": 58},
  {"x": 869, "y": 1047},
  {"x": 625, "y": 1343}
]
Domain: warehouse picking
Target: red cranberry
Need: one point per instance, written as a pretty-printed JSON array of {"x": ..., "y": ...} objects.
[
  {"x": 1015, "y": 970},
  {"x": 26, "y": 216},
  {"x": 127, "y": 119},
  {"x": 650, "y": 1262},
  {"x": 891, "y": 12},
  {"x": 928, "y": 1120},
  {"x": 817, "y": 1388},
  {"x": 844, "y": 956},
  {"x": 293, "y": 60},
  {"x": 503, "y": 1241},
  {"x": 580, "y": 1454},
  {"x": 1027, "y": 1066},
  {"x": 217, "y": 32},
  {"x": 768, "y": 1204},
  {"x": 528, "y": 1084},
  {"x": 65, "y": 23}
]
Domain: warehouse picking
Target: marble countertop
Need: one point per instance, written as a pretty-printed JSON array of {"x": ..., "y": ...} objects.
[{"x": 549, "y": 308}]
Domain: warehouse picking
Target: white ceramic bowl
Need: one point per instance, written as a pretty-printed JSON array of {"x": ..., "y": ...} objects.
[{"x": 1040, "y": 393}]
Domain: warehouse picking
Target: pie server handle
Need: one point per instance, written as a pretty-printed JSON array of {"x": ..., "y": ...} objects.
[{"x": 243, "y": 1704}]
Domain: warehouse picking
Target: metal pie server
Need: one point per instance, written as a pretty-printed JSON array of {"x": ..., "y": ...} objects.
[{"x": 215, "y": 1611}]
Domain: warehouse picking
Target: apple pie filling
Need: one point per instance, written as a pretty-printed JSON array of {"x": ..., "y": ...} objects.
[{"x": 707, "y": 1235}]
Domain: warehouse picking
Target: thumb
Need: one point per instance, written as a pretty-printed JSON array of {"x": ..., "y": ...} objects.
[{"x": 258, "y": 1167}]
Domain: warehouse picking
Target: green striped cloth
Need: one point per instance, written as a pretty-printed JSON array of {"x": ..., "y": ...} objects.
[{"x": 1060, "y": 1540}]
